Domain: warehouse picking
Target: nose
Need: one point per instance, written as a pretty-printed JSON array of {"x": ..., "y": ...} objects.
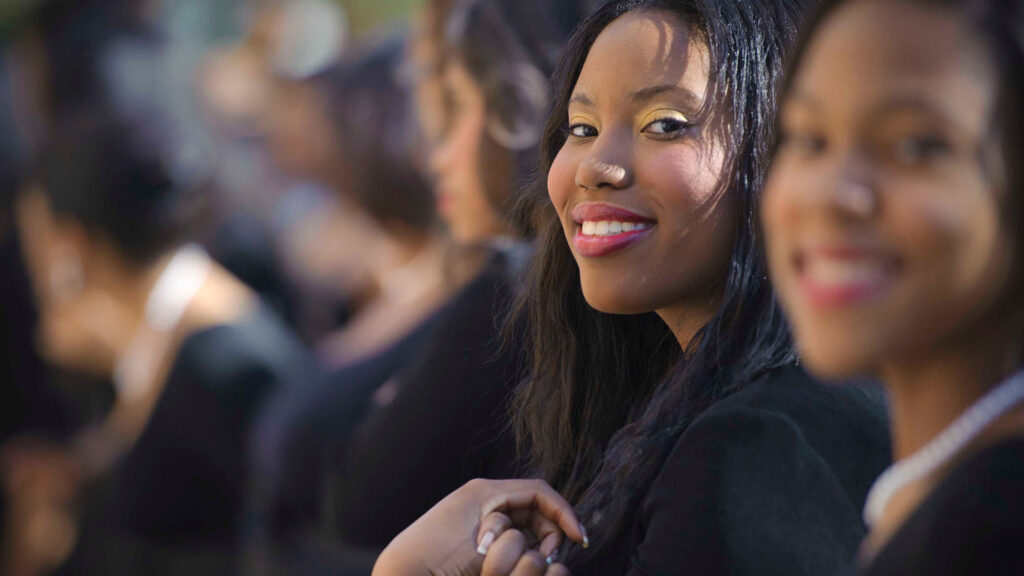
[
  {"x": 441, "y": 154},
  {"x": 606, "y": 165},
  {"x": 852, "y": 189}
]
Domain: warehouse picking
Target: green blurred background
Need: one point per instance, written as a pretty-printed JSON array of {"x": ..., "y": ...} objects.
[{"x": 218, "y": 19}]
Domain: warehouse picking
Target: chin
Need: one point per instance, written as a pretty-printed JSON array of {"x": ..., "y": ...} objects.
[
  {"x": 834, "y": 361},
  {"x": 609, "y": 299}
]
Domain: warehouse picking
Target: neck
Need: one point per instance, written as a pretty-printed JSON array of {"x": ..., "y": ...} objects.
[
  {"x": 928, "y": 393},
  {"x": 685, "y": 320},
  {"x": 128, "y": 287}
]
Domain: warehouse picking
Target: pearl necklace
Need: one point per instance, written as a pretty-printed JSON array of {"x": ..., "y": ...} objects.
[{"x": 943, "y": 447}]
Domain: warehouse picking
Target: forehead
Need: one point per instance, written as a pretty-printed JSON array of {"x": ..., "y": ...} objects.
[
  {"x": 640, "y": 49},
  {"x": 869, "y": 52}
]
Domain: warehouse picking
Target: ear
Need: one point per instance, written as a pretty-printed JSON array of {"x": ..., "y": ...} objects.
[{"x": 57, "y": 250}]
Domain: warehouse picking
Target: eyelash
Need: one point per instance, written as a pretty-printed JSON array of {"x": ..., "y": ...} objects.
[
  {"x": 681, "y": 127},
  {"x": 574, "y": 127}
]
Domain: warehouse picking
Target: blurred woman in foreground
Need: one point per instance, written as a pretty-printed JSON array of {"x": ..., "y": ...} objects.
[{"x": 894, "y": 224}]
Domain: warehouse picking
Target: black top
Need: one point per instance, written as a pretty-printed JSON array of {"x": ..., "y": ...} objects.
[
  {"x": 972, "y": 523},
  {"x": 447, "y": 423},
  {"x": 770, "y": 481},
  {"x": 176, "y": 498},
  {"x": 305, "y": 422}
]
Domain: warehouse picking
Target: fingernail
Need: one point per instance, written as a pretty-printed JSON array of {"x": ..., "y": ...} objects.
[
  {"x": 586, "y": 540},
  {"x": 485, "y": 543},
  {"x": 553, "y": 557}
]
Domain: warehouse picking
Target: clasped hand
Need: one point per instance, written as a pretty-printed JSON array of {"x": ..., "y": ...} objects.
[{"x": 487, "y": 527}]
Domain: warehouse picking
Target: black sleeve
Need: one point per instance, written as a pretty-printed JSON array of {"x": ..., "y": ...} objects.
[
  {"x": 446, "y": 425},
  {"x": 760, "y": 502}
]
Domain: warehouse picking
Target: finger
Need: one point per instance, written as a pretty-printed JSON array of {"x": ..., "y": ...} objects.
[
  {"x": 530, "y": 564},
  {"x": 504, "y": 554},
  {"x": 491, "y": 527},
  {"x": 511, "y": 495},
  {"x": 548, "y": 534},
  {"x": 557, "y": 570}
]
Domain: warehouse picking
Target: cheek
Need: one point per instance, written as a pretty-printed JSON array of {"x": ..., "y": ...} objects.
[
  {"x": 780, "y": 207},
  {"x": 562, "y": 178},
  {"x": 954, "y": 245},
  {"x": 697, "y": 209}
]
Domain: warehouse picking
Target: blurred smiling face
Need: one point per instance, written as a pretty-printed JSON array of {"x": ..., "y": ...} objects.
[
  {"x": 882, "y": 209},
  {"x": 637, "y": 185}
]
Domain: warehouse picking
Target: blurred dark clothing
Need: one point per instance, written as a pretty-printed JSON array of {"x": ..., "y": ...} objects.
[
  {"x": 29, "y": 403},
  {"x": 446, "y": 424},
  {"x": 175, "y": 502},
  {"x": 770, "y": 481},
  {"x": 367, "y": 449},
  {"x": 971, "y": 523},
  {"x": 304, "y": 422},
  {"x": 243, "y": 245}
]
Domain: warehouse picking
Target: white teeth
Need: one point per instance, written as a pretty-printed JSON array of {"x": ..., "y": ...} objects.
[
  {"x": 845, "y": 272},
  {"x": 610, "y": 227}
]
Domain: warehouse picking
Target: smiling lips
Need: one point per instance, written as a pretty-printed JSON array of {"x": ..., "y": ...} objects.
[
  {"x": 842, "y": 276},
  {"x": 604, "y": 229}
]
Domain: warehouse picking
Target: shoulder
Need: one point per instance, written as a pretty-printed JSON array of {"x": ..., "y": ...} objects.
[
  {"x": 764, "y": 481},
  {"x": 248, "y": 355},
  {"x": 972, "y": 522}
]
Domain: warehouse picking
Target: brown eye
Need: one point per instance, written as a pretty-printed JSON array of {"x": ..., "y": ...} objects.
[
  {"x": 806, "y": 143},
  {"x": 582, "y": 131},
  {"x": 667, "y": 126},
  {"x": 917, "y": 150}
]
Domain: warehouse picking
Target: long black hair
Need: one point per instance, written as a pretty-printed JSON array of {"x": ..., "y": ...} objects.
[{"x": 609, "y": 395}]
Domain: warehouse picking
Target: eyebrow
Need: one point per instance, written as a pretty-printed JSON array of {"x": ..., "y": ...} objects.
[
  {"x": 654, "y": 91},
  {"x": 648, "y": 93},
  {"x": 582, "y": 99}
]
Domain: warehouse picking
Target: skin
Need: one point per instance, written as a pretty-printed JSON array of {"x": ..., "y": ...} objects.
[
  {"x": 456, "y": 161},
  {"x": 638, "y": 141},
  {"x": 889, "y": 156},
  {"x": 493, "y": 516}
]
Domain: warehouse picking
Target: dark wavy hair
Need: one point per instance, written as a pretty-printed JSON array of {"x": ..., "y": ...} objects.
[
  {"x": 121, "y": 152},
  {"x": 371, "y": 107},
  {"x": 510, "y": 49},
  {"x": 609, "y": 395}
]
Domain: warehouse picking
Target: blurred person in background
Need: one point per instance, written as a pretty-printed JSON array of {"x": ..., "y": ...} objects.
[
  {"x": 440, "y": 419},
  {"x": 119, "y": 169},
  {"x": 443, "y": 420},
  {"x": 277, "y": 225},
  {"x": 375, "y": 170}
]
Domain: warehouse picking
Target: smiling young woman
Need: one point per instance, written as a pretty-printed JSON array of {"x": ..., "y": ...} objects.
[
  {"x": 893, "y": 216},
  {"x": 663, "y": 401}
]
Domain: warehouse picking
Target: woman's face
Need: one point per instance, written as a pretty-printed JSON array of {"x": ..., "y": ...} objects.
[
  {"x": 76, "y": 319},
  {"x": 461, "y": 197},
  {"x": 882, "y": 210},
  {"x": 638, "y": 185}
]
